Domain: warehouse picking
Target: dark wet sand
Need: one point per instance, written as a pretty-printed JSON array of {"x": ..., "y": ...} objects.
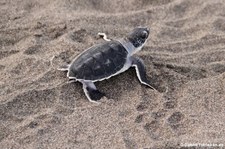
[{"x": 185, "y": 60}]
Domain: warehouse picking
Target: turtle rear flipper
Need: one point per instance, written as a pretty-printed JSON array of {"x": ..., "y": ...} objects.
[
  {"x": 64, "y": 67},
  {"x": 91, "y": 92},
  {"x": 104, "y": 36}
]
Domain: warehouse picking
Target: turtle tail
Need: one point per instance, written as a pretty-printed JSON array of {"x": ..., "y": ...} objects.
[{"x": 64, "y": 68}]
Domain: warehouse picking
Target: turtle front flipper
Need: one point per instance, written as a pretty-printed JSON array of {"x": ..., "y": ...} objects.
[
  {"x": 141, "y": 72},
  {"x": 91, "y": 92}
]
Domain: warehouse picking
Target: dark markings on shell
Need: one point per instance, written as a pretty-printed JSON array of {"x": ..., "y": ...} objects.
[{"x": 100, "y": 61}]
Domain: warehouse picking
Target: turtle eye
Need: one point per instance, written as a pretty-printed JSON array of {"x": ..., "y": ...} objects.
[{"x": 144, "y": 35}]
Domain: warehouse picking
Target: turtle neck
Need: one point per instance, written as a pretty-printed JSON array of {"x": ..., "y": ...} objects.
[{"x": 128, "y": 46}]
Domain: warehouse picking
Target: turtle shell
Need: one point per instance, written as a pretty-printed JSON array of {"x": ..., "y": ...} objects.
[{"x": 99, "y": 62}]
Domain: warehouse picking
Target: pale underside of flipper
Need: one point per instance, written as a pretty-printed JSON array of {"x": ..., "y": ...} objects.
[
  {"x": 104, "y": 36},
  {"x": 140, "y": 71},
  {"x": 64, "y": 67}
]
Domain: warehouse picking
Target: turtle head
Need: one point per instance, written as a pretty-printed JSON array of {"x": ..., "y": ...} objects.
[{"x": 138, "y": 37}]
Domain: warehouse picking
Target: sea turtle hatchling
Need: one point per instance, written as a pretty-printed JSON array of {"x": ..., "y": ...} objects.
[{"x": 108, "y": 59}]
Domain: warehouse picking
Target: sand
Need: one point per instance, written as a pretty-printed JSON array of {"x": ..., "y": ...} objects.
[{"x": 184, "y": 57}]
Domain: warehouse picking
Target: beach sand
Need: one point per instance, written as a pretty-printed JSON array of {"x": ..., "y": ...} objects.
[{"x": 184, "y": 58}]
